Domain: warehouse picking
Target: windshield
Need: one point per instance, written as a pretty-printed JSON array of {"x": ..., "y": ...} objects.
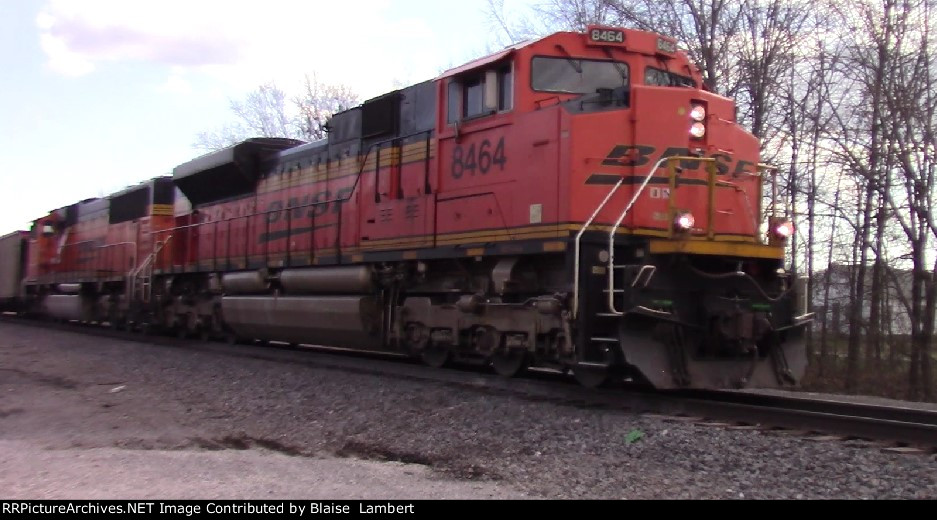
[{"x": 576, "y": 76}]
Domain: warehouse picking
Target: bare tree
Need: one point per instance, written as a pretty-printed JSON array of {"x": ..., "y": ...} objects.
[
  {"x": 910, "y": 99},
  {"x": 318, "y": 102},
  {"x": 577, "y": 14},
  {"x": 771, "y": 34},
  {"x": 858, "y": 135},
  {"x": 262, "y": 113},
  {"x": 707, "y": 28},
  {"x": 268, "y": 112},
  {"x": 512, "y": 26},
  {"x": 228, "y": 135},
  {"x": 884, "y": 134}
]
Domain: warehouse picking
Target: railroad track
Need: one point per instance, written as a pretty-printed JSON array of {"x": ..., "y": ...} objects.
[
  {"x": 900, "y": 426},
  {"x": 910, "y": 426}
]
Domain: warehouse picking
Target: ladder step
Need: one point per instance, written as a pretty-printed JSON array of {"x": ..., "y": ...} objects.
[
  {"x": 614, "y": 291},
  {"x": 607, "y": 315},
  {"x": 600, "y": 339}
]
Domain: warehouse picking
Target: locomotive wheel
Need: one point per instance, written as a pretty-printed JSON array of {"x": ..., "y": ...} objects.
[
  {"x": 436, "y": 356},
  {"x": 146, "y": 328},
  {"x": 188, "y": 325},
  {"x": 114, "y": 320},
  {"x": 592, "y": 376},
  {"x": 233, "y": 339},
  {"x": 206, "y": 330},
  {"x": 509, "y": 362}
]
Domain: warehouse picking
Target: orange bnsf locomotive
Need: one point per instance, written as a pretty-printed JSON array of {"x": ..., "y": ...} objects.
[{"x": 577, "y": 202}]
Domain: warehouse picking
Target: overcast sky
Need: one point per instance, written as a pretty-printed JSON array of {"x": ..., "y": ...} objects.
[{"x": 102, "y": 94}]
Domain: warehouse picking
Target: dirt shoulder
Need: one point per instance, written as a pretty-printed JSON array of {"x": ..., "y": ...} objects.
[{"x": 78, "y": 420}]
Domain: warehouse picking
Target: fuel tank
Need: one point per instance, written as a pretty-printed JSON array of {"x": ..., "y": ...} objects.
[
  {"x": 251, "y": 282},
  {"x": 67, "y": 307},
  {"x": 340, "y": 321},
  {"x": 328, "y": 280}
]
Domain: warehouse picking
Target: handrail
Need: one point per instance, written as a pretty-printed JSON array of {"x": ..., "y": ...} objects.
[
  {"x": 582, "y": 230},
  {"x": 150, "y": 257},
  {"x": 578, "y": 243},
  {"x": 621, "y": 218},
  {"x": 774, "y": 189},
  {"x": 134, "y": 273}
]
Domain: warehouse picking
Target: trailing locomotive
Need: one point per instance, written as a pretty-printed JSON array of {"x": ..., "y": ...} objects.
[{"x": 577, "y": 202}]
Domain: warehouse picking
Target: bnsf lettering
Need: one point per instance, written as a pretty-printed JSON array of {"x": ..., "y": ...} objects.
[
  {"x": 722, "y": 163},
  {"x": 640, "y": 155},
  {"x": 623, "y": 155},
  {"x": 308, "y": 207},
  {"x": 274, "y": 211},
  {"x": 87, "y": 251},
  {"x": 685, "y": 163},
  {"x": 744, "y": 167}
]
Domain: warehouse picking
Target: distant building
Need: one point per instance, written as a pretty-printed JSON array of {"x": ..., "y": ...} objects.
[{"x": 835, "y": 316}]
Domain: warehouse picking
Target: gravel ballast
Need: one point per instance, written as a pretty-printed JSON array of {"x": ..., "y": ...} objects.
[{"x": 92, "y": 409}]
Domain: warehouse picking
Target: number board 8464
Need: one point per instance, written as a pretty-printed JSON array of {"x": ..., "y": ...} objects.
[
  {"x": 596, "y": 35},
  {"x": 477, "y": 158}
]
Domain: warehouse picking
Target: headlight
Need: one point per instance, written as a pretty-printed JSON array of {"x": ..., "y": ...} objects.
[
  {"x": 684, "y": 221},
  {"x": 784, "y": 229},
  {"x": 698, "y": 130},
  {"x": 698, "y": 113}
]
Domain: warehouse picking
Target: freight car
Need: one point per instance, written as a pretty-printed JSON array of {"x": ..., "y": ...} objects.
[
  {"x": 12, "y": 263},
  {"x": 578, "y": 202}
]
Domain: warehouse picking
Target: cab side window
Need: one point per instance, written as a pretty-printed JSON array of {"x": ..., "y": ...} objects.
[
  {"x": 473, "y": 102},
  {"x": 506, "y": 88},
  {"x": 480, "y": 93},
  {"x": 452, "y": 101}
]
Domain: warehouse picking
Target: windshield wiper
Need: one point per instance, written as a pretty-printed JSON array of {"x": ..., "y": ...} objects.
[
  {"x": 569, "y": 58},
  {"x": 622, "y": 69}
]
